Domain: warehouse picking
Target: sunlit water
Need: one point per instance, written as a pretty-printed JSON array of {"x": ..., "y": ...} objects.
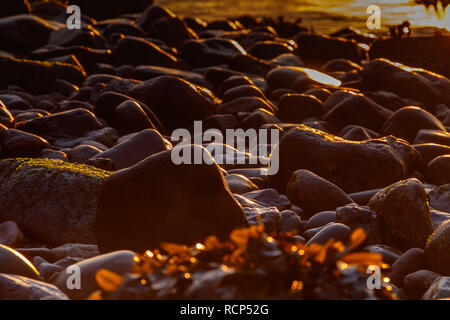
[{"x": 322, "y": 15}]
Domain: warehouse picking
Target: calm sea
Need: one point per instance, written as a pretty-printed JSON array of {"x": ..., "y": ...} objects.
[{"x": 323, "y": 15}]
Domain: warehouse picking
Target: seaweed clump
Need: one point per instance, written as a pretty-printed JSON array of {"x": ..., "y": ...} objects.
[{"x": 250, "y": 265}]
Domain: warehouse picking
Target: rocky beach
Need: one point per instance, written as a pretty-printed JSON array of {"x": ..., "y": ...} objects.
[{"x": 344, "y": 195}]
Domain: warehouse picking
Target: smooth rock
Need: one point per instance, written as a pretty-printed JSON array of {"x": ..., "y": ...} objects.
[
  {"x": 409, "y": 262},
  {"x": 13, "y": 287},
  {"x": 417, "y": 283},
  {"x": 336, "y": 231},
  {"x": 159, "y": 194},
  {"x": 440, "y": 289},
  {"x": 404, "y": 214},
  {"x": 438, "y": 170},
  {"x": 437, "y": 250},
  {"x": 10, "y": 234},
  {"x": 137, "y": 148},
  {"x": 13, "y": 262},
  {"x": 119, "y": 262},
  {"x": 352, "y": 166},
  {"x": 314, "y": 194}
]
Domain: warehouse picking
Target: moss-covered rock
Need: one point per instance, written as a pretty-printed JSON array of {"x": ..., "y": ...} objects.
[{"x": 54, "y": 202}]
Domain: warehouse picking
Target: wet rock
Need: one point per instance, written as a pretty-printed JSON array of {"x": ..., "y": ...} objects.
[
  {"x": 270, "y": 217},
  {"x": 419, "y": 85},
  {"x": 106, "y": 136},
  {"x": 294, "y": 108},
  {"x": 314, "y": 194},
  {"x": 135, "y": 149},
  {"x": 119, "y": 262},
  {"x": 80, "y": 154},
  {"x": 425, "y": 52},
  {"x": 438, "y": 218},
  {"x": 151, "y": 14},
  {"x": 368, "y": 165},
  {"x": 244, "y": 104},
  {"x": 357, "y": 109},
  {"x": 16, "y": 144},
  {"x": 287, "y": 60},
  {"x": 144, "y": 73},
  {"x": 363, "y": 197},
  {"x": 437, "y": 250},
  {"x": 210, "y": 52},
  {"x": 12, "y": 101},
  {"x": 75, "y": 250},
  {"x": 440, "y": 289},
  {"x": 336, "y": 231},
  {"x": 52, "y": 201},
  {"x": 129, "y": 117},
  {"x": 270, "y": 49},
  {"x": 315, "y": 50},
  {"x": 390, "y": 254},
  {"x": 355, "y": 216},
  {"x": 242, "y": 91},
  {"x": 48, "y": 270},
  {"x": 430, "y": 151},
  {"x": 54, "y": 154},
  {"x": 258, "y": 118},
  {"x": 298, "y": 79},
  {"x": 40, "y": 76},
  {"x": 10, "y": 234},
  {"x": 440, "y": 198},
  {"x": 176, "y": 102},
  {"x": 404, "y": 214},
  {"x": 438, "y": 170},
  {"x": 13, "y": 287},
  {"x": 13, "y": 262},
  {"x": 136, "y": 51},
  {"x": 433, "y": 136},
  {"x": 159, "y": 193},
  {"x": 271, "y": 197},
  {"x": 417, "y": 283},
  {"x": 104, "y": 9},
  {"x": 406, "y": 122},
  {"x": 290, "y": 222},
  {"x": 320, "y": 219},
  {"x": 409, "y": 262},
  {"x": 357, "y": 133},
  {"x": 86, "y": 36},
  {"x": 72, "y": 123},
  {"x": 240, "y": 184},
  {"x": 340, "y": 65},
  {"x": 172, "y": 30},
  {"x": 24, "y": 32}
]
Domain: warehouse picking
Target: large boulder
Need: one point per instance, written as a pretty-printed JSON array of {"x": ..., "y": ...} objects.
[
  {"x": 417, "y": 84},
  {"x": 352, "y": 166},
  {"x": 404, "y": 214},
  {"x": 13, "y": 262},
  {"x": 53, "y": 202},
  {"x": 165, "y": 202}
]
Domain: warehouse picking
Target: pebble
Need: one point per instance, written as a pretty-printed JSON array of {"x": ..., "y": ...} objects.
[
  {"x": 417, "y": 283},
  {"x": 15, "y": 287}
]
